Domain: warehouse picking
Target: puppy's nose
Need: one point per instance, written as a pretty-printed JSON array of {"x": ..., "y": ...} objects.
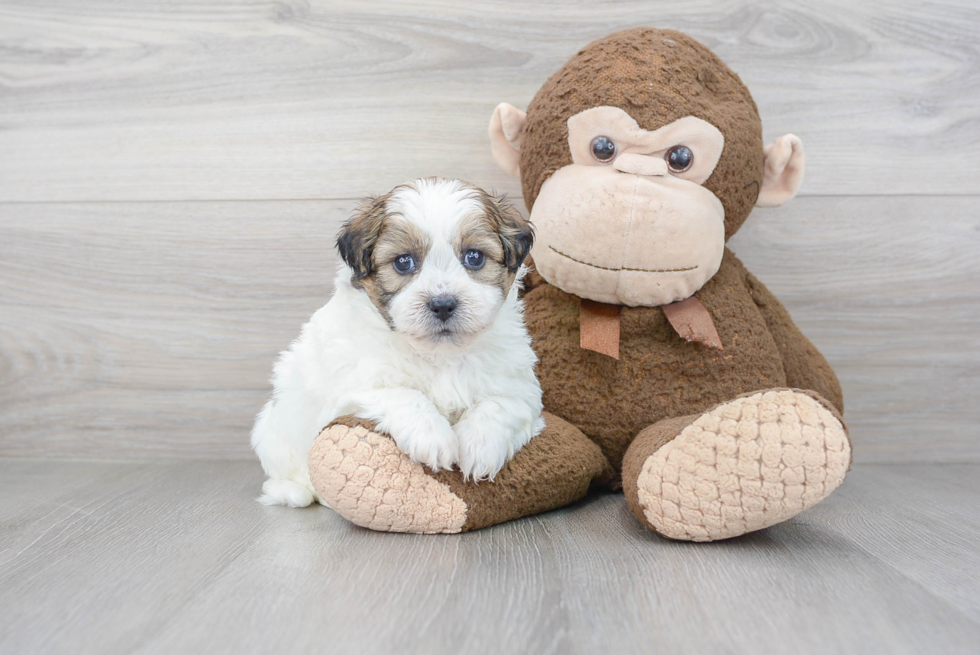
[{"x": 443, "y": 306}]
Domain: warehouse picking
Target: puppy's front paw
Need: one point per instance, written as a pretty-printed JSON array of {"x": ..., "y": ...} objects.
[
  {"x": 484, "y": 447},
  {"x": 427, "y": 439}
]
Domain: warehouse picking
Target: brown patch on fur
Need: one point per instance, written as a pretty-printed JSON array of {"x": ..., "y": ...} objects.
[
  {"x": 477, "y": 232},
  {"x": 516, "y": 233},
  {"x": 371, "y": 241},
  {"x": 657, "y": 77},
  {"x": 500, "y": 233},
  {"x": 358, "y": 235},
  {"x": 398, "y": 237}
]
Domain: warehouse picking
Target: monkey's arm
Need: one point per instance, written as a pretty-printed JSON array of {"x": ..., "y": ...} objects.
[{"x": 805, "y": 367}]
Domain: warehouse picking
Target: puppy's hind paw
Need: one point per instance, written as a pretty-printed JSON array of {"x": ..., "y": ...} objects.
[{"x": 285, "y": 492}]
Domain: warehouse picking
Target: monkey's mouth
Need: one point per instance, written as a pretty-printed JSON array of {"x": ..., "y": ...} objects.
[{"x": 624, "y": 268}]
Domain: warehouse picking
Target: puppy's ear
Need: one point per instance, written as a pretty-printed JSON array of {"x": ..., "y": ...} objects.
[
  {"x": 359, "y": 234},
  {"x": 516, "y": 232}
]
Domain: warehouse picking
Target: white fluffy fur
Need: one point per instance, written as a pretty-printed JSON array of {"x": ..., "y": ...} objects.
[{"x": 471, "y": 401}]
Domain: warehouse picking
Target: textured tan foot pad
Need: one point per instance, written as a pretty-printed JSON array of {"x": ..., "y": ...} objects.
[
  {"x": 366, "y": 479},
  {"x": 744, "y": 466}
]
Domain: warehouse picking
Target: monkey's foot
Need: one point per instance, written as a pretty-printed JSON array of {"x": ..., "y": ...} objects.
[
  {"x": 365, "y": 478},
  {"x": 745, "y": 465}
]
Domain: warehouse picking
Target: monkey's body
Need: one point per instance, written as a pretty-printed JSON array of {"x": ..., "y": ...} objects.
[{"x": 659, "y": 375}]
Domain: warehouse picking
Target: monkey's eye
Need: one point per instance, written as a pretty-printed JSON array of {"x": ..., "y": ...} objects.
[
  {"x": 404, "y": 264},
  {"x": 603, "y": 149},
  {"x": 679, "y": 158},
  {"x": 474, "y": 260}
]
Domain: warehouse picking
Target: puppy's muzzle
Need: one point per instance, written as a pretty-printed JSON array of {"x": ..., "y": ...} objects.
[{"x": 443, "y": 307}]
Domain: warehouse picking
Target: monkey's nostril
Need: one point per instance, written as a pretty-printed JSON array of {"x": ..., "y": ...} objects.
[{"x": 442, "y": 306}]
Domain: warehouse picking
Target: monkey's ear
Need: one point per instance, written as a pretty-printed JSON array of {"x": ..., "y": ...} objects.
[
  {"x": 359, "y": 234},
  {"x": 506, "y": 133},
  {"x": 782, "y": 172}
]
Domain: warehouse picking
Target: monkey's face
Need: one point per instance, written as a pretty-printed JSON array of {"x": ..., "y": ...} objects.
[
  {"x": 628, "y": 222},
  {"x": 637, "y": 215}
]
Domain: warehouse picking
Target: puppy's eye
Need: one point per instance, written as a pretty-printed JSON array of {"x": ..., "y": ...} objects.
[
  {"x": 404, "y": 264},
  {"x": 474, "y": 260},
  {"x": 679, "y": 158},
  {"x": 603, "y": 149}
]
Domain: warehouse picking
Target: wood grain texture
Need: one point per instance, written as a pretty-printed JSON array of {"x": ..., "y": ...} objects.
[
  {"x": 253, "y": 99},
  {"x": 149, "y": 329},
  {"x": 171, "y": 556}
]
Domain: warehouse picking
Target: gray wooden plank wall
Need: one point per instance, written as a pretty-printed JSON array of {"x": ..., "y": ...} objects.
[{"x": 171, "y": 178}]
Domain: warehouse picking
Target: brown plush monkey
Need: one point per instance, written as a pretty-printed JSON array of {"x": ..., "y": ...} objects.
[{"x": 668, "y": 369}]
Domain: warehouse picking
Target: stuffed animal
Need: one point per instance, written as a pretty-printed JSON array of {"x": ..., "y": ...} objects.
[{"x": 668, "y": 370}]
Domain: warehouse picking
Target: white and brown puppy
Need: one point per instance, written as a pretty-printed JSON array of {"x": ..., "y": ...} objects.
[{"x": 424, "y": 335}]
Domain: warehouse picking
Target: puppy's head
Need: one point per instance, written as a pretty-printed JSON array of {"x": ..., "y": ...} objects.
[{"x": 436, "y": 257}]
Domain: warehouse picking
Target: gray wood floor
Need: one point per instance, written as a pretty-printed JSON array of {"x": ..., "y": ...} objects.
[{"x": 175, "y": 557}]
